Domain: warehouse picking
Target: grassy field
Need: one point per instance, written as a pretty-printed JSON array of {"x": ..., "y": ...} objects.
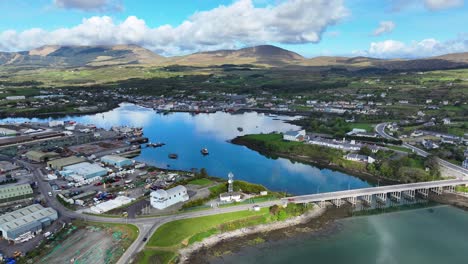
[
  {"x": 369, "y": 127},
  {"x": 174, "y": 233},
  {"x": 201, "y": 182},
  {"x": 150, "y": 256}
]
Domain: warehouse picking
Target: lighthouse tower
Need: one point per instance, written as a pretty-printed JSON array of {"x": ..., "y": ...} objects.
[{"x": 230, "y": 182}]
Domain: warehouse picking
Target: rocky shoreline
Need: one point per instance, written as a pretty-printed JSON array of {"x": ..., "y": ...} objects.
[
  {"x": 317, "y": 221},
  {"x": 186, "y": 253}
]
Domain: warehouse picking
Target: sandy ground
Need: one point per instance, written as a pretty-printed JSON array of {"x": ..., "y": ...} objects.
[{"x": 213, "y": 240}]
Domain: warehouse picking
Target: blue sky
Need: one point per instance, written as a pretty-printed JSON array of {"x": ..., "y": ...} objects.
[{"x": 382, "y": 28}]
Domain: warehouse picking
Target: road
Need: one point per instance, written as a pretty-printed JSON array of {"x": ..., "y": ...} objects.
[
  {"x": 146, "y": 225},
  {"x": 380, "y": 129}
]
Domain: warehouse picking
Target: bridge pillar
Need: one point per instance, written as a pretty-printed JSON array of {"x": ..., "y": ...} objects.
[
  {"x": 395, "y": 196},
  {"x": 381, "y": 197},
  {"x": 410, "y": 194},
  {"x": 423, "y": 192},
  {"x": 450, "y": 189},
  {"x": 367, "y": 199},
  {"x": 437, "y": 190},
  {"x": 351, "y": 200},
  {"x": 337, "y": 202},
  {"x": 321, "y": 204}
]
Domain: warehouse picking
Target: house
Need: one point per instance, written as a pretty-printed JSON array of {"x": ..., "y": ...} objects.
[
  {"x": 417, "y": 133},
  {"x": 161, "y": 199},
  {"x": 230, "y": 197},
  {"x": 465, "y": 164},
  {"x": 429, "y": 144},
  {"x": 360, "y": 158},
  {"x": 343, "y": 145},
  {"x": 15, "y": 97},
  {"x": 359, "y": 132},
  {"x": 446, "y": 121},
  {"x": 56, "y": 123},
  {"x": 298, "y": 135}
]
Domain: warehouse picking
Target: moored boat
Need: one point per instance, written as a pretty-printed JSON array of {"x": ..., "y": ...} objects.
[{"x": 204, "y": 151}]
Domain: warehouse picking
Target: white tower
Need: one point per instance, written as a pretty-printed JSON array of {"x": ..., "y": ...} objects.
[{"x": 230, "y": 182}]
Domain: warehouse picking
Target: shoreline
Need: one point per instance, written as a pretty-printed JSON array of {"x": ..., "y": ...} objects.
[
  {"x": 321, "y": 164},
  {"x": 187, "y": 255}
]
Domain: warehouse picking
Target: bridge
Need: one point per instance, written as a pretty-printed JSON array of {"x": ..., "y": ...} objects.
[{"x": 381, "y": 194}]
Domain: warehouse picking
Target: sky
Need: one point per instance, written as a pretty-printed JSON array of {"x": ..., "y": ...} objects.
[{"x": 375, "y": 28}]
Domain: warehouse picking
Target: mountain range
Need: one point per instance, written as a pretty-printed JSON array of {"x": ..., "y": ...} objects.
[{"x": 55, "y": 56}]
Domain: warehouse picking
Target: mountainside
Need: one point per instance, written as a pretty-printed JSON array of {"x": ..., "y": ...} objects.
[
  {"x": 80, "y": 56},
  {"x": 264, "y": 54},
  {"x": 54, "y": 56}
]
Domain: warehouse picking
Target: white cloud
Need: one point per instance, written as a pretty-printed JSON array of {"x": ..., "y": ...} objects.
[
  {"x": 384, "y": 27},
  {"x": 415, "y": 49},
  {"x": 442, "y": 4},
  {"x": 238, "y": 24},
  {"x": 433, "y": 5},
  {"x": 90, "y": 5}
]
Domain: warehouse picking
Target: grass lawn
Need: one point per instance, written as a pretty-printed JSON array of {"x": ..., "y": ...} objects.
[
  {"x": 201, "y": 182},
  {"x": 149, "y": 256},
  {"x": 399, "y": 148},
  {"x": 367, "y": 126},
  {"x": 173, "y": 233},
  {"x": 461, "y": 189}
]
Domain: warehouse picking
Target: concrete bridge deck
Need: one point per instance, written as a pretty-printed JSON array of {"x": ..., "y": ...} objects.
[{"x": 355, "y": 193}]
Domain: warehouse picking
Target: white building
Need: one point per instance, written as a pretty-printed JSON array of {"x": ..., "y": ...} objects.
[
  {"x": 111, "y": 204},
  {"x": 446, "y": 121},
  {"x": 161, "y": 199},
  {"x": 465, "y": 164},
  {"x": 298, "y": 135},
  {"x": 230, "y": 197},
  {"x": 15, "y": 97},
  {"x": 361, "y": 158}
]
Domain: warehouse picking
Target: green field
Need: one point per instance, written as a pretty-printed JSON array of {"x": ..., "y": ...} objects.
[
  {"x": 150, "y": 256},
  {"x": 174, "y": 233},
  {"x": 201, "y": 182}
]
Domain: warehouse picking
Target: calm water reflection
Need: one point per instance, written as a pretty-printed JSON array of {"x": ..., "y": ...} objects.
[{"x": 186, "y": 134}]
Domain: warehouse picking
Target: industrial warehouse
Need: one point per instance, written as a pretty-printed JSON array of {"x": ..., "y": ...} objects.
[
  {"x": 26, "y": 222},
  {"x": 116, "y": 161},
  {"x": 85, "y": 170},
  {"x": 13, "y": 193}
]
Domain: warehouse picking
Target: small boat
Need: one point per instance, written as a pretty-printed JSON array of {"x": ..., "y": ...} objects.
[
  {"x": 155, "y": 145},
  {"x": 204, "y": 151},
  {"x": 240, "y": 129},
  {"x": 173, "y": 156}
]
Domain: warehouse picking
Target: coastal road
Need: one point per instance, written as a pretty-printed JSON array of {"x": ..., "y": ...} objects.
[{"x": 380, "y": 129}]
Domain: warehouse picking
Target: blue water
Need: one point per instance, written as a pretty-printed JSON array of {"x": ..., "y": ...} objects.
[
  {"x": 427, "y": 236},
  {"x": 187, "y": 134}
]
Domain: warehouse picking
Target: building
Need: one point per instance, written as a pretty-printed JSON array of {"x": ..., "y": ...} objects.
[
  {"x": 359, "y": 132},
  {"x": 15, "y": 97},
  {"x": 6, "y": 166},
  {"x": 85, "y": 170},
  {"x": 343, "y": 145},
  {"x": 465, "y": 164},
  {"x": 111, "y": 204},
  {"x": 230, "y": 197},
  {"x": 58, "y": 164},
  {"x": 429, "y": 144},
  {"x": 39, "y": 156},
  {"x": 360, "y": 158},
  {"x": 446, "y": 121},
  {"x": 161, "y": 199},
  {"x": 17, "y": 192},
  {"x": 116, "y": 161},
  {"x": 7, "y": 132},
  {"x": 26, "y": 222},
  {"x": 298, "y": 135}
]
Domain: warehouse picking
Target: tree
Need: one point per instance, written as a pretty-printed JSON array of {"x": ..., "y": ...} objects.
[{"x": 365, "y": 151}]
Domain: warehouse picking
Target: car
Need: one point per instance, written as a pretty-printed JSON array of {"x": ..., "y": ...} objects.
[
  {"x": 50, "y": 194},
  {"x": 144, "y": 239}
]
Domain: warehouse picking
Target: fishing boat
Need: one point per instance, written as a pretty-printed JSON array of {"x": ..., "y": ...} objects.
[
  {"x": 155, "y": 145},
  {"x": 204, "y": 151},
  {"x": 173, "y": 156}
]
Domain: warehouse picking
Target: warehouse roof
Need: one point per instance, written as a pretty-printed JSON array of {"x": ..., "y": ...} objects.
[
  {"x": 39, "y": 155},
  {"x": 84, "y": 168},
  {"x": 25, "y": 216},
  {"x": 14, "y": 191},
  {"x": 114, "y": 158},
  {"x": 60, "y": 163}
]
